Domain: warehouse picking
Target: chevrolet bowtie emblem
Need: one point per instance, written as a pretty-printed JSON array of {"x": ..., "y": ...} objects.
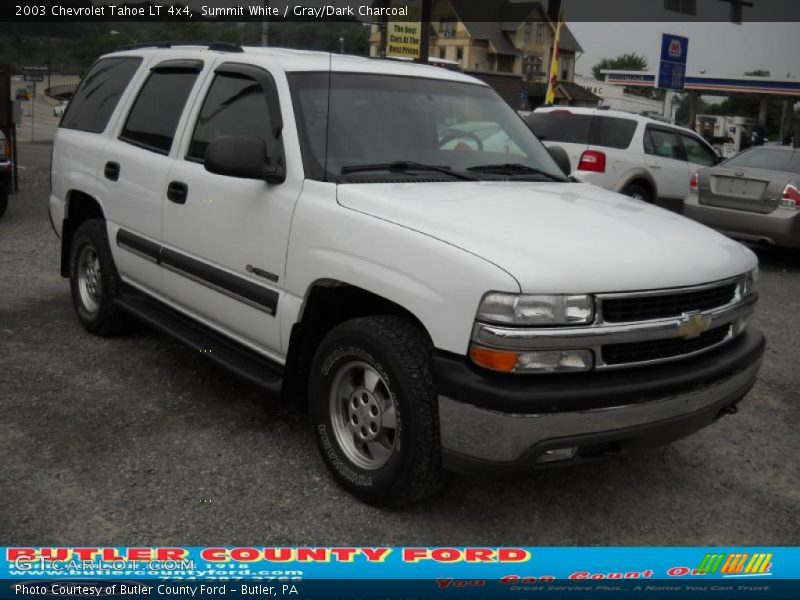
[{"x": 693, "y": 325}]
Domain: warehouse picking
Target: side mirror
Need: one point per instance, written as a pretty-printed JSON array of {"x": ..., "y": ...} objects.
[
  {"x": 559, "y": 155},
  {"x": 243, "y": 157}
]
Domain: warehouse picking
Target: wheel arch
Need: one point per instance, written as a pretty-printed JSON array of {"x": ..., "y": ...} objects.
[
  {"x": 80, "y": 207},
  {"x": 641, "y": 177},
  {"x": 327, "y": 303}
]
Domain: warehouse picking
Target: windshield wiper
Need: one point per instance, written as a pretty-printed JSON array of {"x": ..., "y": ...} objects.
[
  {"x": 514, "y": 169},
  {"x": 404, "y": 166}
]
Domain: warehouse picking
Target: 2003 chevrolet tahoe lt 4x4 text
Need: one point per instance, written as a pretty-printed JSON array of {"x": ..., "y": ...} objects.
[{"x": 390, "y": 245}]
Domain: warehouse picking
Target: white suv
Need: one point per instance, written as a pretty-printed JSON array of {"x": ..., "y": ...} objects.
[
  {"x": 338, "y": 231},
  {"x": 628, "y": 153}
]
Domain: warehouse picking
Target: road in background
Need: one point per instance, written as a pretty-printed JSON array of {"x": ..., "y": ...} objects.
[
  {"x": 39, "y": 124},
  {"x": 35, "y": 155},
  {"x": 136, "y": 440}
]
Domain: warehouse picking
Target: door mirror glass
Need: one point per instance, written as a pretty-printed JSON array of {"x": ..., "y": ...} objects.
[{"x": 242, "y": 157}]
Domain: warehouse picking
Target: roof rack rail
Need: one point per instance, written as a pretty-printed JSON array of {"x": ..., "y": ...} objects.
[{"x": 217, "y": 46}]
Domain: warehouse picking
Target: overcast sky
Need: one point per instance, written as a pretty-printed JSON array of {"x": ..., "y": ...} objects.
[{"x": 719, "y": 48}]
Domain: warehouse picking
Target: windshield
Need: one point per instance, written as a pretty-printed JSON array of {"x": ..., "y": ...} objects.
[
  {"x": 782, "y": 159},
  {"x": 388, "y": 120}
]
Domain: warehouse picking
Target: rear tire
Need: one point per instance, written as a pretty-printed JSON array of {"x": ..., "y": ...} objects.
[
  {"x": 375, "y": 411},
  {"x": 94, "y": 281},
  {"x": 639, "y": 192}
]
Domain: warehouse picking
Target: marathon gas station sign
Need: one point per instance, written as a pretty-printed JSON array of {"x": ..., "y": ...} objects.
[{"x": 672, "y": 65}]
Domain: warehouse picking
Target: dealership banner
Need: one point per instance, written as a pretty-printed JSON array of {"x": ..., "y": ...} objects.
[{"x": 406, "y": 572}]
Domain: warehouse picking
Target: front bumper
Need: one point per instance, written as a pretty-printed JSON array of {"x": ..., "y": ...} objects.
[
  {"x": 509, "y": 423},
  {"x": 781, "y": 227}
]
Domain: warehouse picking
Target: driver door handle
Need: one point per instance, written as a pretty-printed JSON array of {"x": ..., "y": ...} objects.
[
  {"x": 177, "y": 191},
  {"x": 111, "y": 171}
]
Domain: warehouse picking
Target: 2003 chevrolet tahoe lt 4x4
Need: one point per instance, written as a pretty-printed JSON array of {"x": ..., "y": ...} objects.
[{"x": 390, "y": 245}]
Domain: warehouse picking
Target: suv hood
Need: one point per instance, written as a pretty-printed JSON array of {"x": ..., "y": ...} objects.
[{"x": 558, "y": 237}]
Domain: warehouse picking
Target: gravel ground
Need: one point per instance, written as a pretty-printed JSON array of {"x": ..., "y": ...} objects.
[{"x": 137, "y": 441}]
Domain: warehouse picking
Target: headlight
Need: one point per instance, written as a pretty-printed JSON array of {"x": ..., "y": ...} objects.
[
  {"x": 527, "y": 309},
  {"x": 749, "y": 283}
]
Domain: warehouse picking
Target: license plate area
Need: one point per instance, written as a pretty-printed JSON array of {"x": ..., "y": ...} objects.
[{"x": 733, "y": 187}]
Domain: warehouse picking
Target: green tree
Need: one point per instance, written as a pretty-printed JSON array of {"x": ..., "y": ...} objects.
[{"x": 682, "y": 114}]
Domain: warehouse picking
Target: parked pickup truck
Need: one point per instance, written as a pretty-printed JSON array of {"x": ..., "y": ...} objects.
[{"x": 335, "y": 230}]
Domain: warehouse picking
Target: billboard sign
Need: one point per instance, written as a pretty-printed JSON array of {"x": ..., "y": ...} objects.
[{"x": 404, "y": 37}]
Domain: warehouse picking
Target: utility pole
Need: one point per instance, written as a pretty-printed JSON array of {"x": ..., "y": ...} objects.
[
  {"x": 265, "y": 25},
  {"x": 33, "y": 109},
  {"x": 425, "y": 31}
]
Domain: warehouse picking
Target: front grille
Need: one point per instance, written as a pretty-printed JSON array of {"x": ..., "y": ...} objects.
[
  {"x": 644, "y": 308},
  {"x": 618, "y": 354}
]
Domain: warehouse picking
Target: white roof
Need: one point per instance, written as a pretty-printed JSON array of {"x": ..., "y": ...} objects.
[{"x": 306, "y": 60}]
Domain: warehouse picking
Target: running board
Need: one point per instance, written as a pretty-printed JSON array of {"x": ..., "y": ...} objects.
[{"x": 234, "y": 357}]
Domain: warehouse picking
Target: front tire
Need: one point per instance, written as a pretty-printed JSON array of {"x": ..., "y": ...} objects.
[
  {"x": 374, "y": 409},
  {"x": 94, "y": 281}
]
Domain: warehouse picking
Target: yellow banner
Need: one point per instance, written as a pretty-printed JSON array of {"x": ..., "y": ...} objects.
[{"x": 550, "y": 97}]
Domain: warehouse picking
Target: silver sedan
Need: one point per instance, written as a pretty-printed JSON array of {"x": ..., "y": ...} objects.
[{"x": 753, "y": 196}]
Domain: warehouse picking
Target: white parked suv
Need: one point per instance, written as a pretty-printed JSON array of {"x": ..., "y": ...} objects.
[
  {"x": 628, "y": 153},
  {"x": 335, "y": 230}
]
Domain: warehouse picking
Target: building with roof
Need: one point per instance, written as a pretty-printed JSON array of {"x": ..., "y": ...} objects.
[
  {"x": 614, "y": 96},
  {"x": 512, "y": 36}
]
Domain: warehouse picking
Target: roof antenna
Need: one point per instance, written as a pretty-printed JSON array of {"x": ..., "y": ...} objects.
[{"x": 328, "y": 107}]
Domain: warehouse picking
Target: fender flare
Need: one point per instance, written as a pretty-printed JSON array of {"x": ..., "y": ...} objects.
[{"x": 633, "y": 175}]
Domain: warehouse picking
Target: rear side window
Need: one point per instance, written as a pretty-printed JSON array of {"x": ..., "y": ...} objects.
[
  {"x": 154, "y": 117},
  {"x": 236, "y": 106},
  {"x": 98, "y": 94},
  {"x": 697, "y": 152},
  {"x": 560, "y": 126},
  {"x": 663, "y": 143},
  {"x": 759, "y": 157},
  {"x": 612, "y": 132}
]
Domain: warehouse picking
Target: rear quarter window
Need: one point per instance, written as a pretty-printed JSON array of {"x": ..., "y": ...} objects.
[
  {"x": 98, "y": 94},
  {"x": 560, "y": 126},
  {"x": 612, "y": 132},
  {"x": 570, "y": 128}
]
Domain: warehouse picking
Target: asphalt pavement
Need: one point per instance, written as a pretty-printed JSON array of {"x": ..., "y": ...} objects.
[{"x": 136, "y": 440}]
